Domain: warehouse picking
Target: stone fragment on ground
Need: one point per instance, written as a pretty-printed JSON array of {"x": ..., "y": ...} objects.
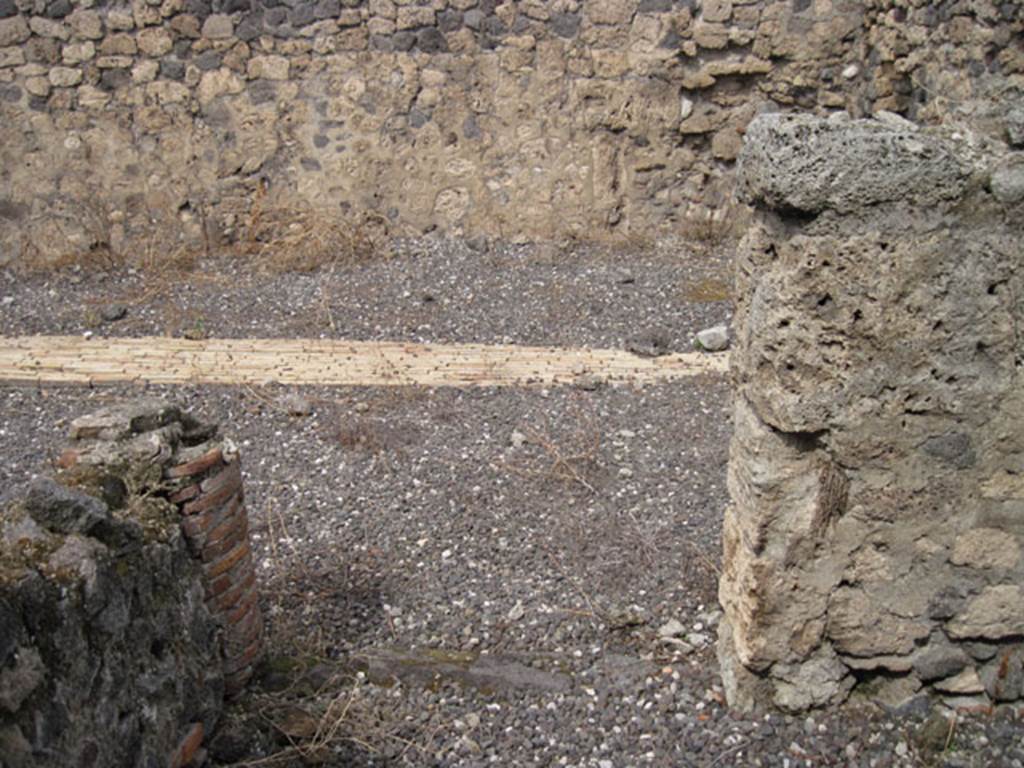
[{"x": 714, "y": 339}]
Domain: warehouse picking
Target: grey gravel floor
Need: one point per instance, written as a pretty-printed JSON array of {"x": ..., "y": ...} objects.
[{"x": 477, "y": 577}]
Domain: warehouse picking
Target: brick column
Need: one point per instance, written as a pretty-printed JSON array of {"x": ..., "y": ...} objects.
[
  {"x": 172, "y": 456},
  {"x": 211, "y": 500}
]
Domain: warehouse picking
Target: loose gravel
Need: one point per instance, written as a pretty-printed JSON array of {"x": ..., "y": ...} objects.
[{"x": 475, "y": 577}]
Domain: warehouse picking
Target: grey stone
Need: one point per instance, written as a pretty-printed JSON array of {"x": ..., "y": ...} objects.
[
  {"x": 20, "y": 680},
  {"x": 934, "y": 663},
  {"x": 301, "y": 15},
  {"x": 327, "y": 9},
  {"x": 1015, "y": 126},
  {"x": 113, "y": 312},
  {"x": 418, "y": 118},
  {"x": 208, "y": 60},
  {"x": 449, "y": 21},
  {"x": 565, "y": 25},
  {"x": 250, "y": 27},
  {"x": 1004, "y": 675},
  {"x": 473, "y": 18},
  {"x": 403, "y": 41},
  {"x": 1008, "y": 183},
  {"x": 953, "y": 448},
  {"x": 58, "y": 9},
  {"x": 172, "y": 69},
  {"x": 63, "y": 510},
  {"x": 470, "y": 128},
  {"x": 806, "y": 164},
  {"x": 431, "y": 40},
  {"x": 655, "y": 6},
  {"x": 714, "y": 339},
  {"x": 8, "y": 8}
]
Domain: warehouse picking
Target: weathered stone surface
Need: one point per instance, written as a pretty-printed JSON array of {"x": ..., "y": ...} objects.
[
  {"x": 986, "y": 548},
  {"x": 268, "y": 67},
  {"x": 13, "y": 31},
  {"x": 802, "y": 163},
  {"x": 1008, "y": 182},
  {"x": 996, "y": 613},
  {"x": 872, "y": 509}
]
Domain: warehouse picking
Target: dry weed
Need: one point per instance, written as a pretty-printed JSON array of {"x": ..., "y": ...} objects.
[{"x": 305, "y": 239}]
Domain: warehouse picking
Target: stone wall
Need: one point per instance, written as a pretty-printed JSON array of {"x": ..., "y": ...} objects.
[
  {"x": 127, "y": 599},
  {"x": 139, "y": 126},
  {"x": 873, "y": 543}
]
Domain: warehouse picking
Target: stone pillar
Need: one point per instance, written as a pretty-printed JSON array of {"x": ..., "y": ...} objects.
[
  {"x": 873, "y": 540},
  {"x": 200, "y": 474}
]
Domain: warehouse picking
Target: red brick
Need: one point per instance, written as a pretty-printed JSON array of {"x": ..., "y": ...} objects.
[
  {"x": 196, "y": 466},
  {"x": 184, "y": 494},
  {"x": 231, "y": 474},
  {"x": 244, "y": 659},
  {"x": 230, "y": 598},
  {"x": 239, "y": 612},
  {"x": 224, "y": 564},
  {"x": 212, "y": 552},
  {"x": 231, "y": 521},
  {"x": 211, "y": 500},
  {"x": 188, "y": 747}
]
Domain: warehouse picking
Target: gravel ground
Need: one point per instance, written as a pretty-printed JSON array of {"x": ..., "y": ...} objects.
[{"x": 487, "y": 576}]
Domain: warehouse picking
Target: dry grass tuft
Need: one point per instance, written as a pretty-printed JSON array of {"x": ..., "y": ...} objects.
[{"x": 294, "y": 239}]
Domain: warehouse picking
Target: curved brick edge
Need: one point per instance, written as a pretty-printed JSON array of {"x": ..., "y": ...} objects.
[{"x": 216, "y": 527}]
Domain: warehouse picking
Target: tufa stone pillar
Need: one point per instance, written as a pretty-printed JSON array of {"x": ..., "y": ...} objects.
[{"x": 873, "y": 540}]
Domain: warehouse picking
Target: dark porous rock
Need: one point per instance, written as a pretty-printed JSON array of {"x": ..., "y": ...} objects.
[
  {"x": 954, "y": 448},
  {"x": 449, "y": 21},
  {"x": 934, "y": 663},
  {"x": 249, "y": 28},
  {"x": 8, "y": 9},
  {"x": 262, "y": 91},
  {"x": 201, "y": 9},
  {"x": 275, "y": 17},
  {"x": 470, "y": 128},
  {"x": 58, "y": 9},
  {"x": 10, "y": 93},
  {"x": 382, "y": 43},
  {"x": 1003, "y": 676},
  {"x": 208, "y": 60},
  {"x": 418, "y": 118},
  {"x": 655, "y": 6},
  {"x": 172, "y": 69},
  {"x": 565, "y": 24},
  {"x": 301, "y": 16},
  {"x": 431, "y": 40},
  {"x": 63, "y": 510},
  {"x": 112, "y": 79},
  {"x": 38, "y": 103},
  {"x": 493, "y": 26},
  {"x": 236, "y": 6},
  {"x": 113, "y": 312},
  {"x": 327, "y": 9},
  {"x": 403, "y": 41}
]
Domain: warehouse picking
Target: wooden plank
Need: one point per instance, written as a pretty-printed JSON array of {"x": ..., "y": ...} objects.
[{"x": 75, "y": 359}]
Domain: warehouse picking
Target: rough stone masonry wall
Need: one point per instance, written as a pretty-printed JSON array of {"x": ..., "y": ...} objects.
[
  {"x": 136, "y": 126},
  {"x": 874, "y": 539},
  {"x": 127, "y": 597}
]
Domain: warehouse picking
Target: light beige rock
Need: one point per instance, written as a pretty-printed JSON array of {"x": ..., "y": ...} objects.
[
  {"x": 996, "y": 613},
  {"x": 268, "y": 68},
  {"x": 38, "y": 86},
  {"x": 65, "y": 77},
  {"x": 412, "y": 17},
  {"x": 986, "y": 548},
  {"x": 716, "y": 10},
  {"x": 145, "y": 71},
  {"x": 76, "y": 53},
  {"x": 120, "y": 21},
  {"x": 966, "y": 682},
  {"x": 118, "y": 45},
  {"x": 57, "y": 30},
  {"x": 218, "y": 82},
  {"x": 218, "y": 26},
  {"x": 154, "y": 41},
  {"x": 86, "y": 25},
  {"x": 610, "y": 11},
  {"x": 11, "y": 57},
  {"x": 13, "y": 31}
]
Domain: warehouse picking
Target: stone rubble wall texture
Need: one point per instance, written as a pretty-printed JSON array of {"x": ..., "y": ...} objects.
[
  {"x": 873, "y": 541},
  {"x": 138, "y": 126},
  {"x": 127, "y": 596}
]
